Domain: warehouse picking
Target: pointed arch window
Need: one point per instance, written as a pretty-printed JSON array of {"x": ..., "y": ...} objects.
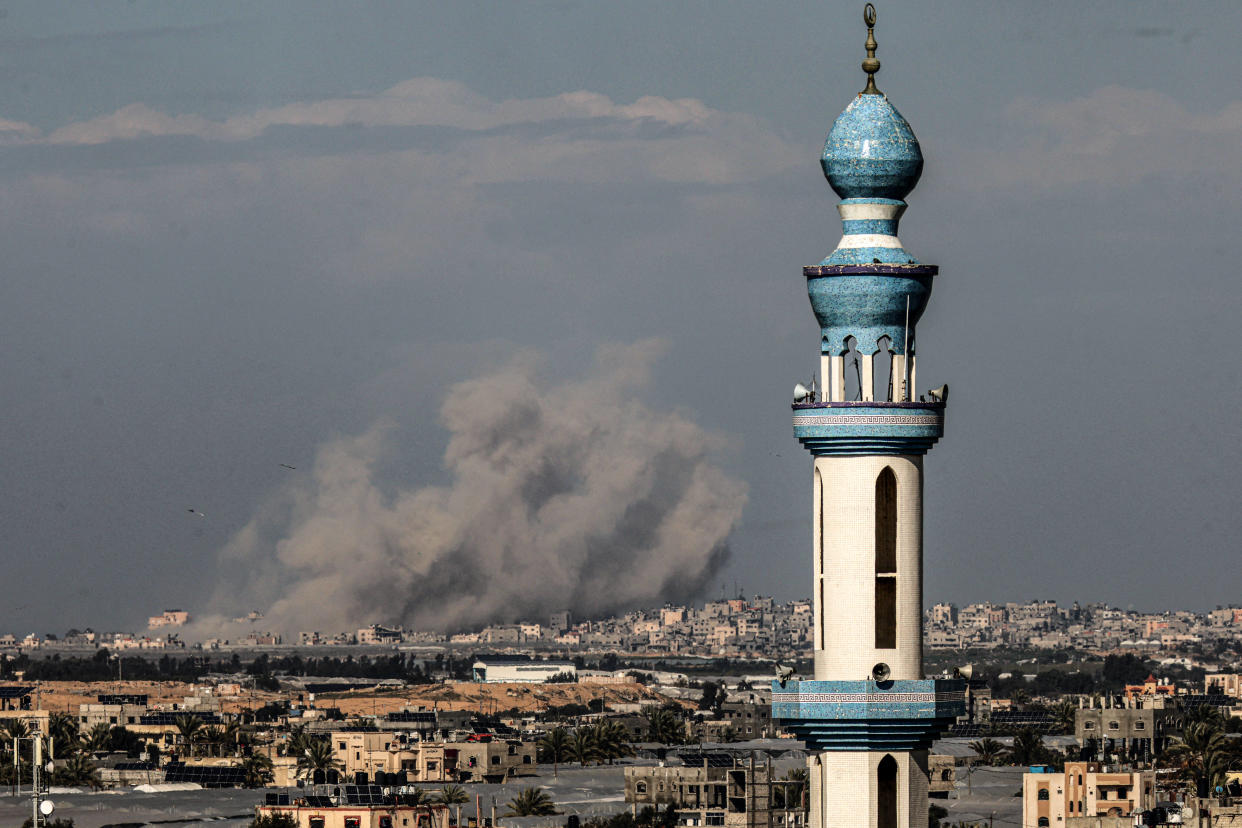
[
  {"x": 886, "y": 560},
  {"x": 886, "y": 793}
]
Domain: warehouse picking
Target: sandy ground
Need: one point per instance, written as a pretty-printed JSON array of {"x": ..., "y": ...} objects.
[{"x": 65, "y": 696}]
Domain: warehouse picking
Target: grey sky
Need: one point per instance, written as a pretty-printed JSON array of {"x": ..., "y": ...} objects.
[{"x": 237, "y": 232}]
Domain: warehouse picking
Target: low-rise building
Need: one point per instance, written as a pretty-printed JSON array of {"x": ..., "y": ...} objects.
[
  {"x": 1084, "y": 789},
  {"x": 718, "y": 789}
]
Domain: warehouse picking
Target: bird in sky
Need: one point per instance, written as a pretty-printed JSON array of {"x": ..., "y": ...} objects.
[
  {"x": 196, "y": 512},
  {"x": 287, "y": 466}
]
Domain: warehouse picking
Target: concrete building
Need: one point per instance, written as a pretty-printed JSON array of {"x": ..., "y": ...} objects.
[
  {"x": 718, "y": 790},
  {"x": 371, "y": 752},
  {"x": 1133, "y": 730},
  {"x": 869, "y": 715},
  {"x": 495, "y": 671},
  {"x": 1085, "y": 789}
]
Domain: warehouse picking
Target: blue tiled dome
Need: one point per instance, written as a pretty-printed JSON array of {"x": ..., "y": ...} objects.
[{"x": 871, "y": 151}]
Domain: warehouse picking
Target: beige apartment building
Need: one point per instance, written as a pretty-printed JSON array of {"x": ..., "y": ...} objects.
[
  {"x": 1085, "y": 789},
  {"x": 372, "y": 752}
]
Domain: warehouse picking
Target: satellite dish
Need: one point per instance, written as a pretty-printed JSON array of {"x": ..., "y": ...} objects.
[
  {"x": 940, "y": 394},
  {"x": 965, "y": 671},
  {"x": 46, "y": 807},
  {"x": 801, "y": 393},
  {"x": 880, "y": 672}
]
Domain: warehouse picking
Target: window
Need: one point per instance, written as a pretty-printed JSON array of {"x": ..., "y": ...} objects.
[
  {"x": 495, "y": 760},
  {"x": 1043, "y": 822},
  {"x": 1140, "y": 725},
  {"x": 886, "y": 560},
  {"x": 385, "y": 822},
  {"x": 641, "y": 787},
  {"x": 353, "y": 822},
  {"x": 1088, "y": 725},
  {"x": 316, "y": 822},
  {"x": 1043, "y": 795},
  {"x": 1114, "y": 726},
  {"x": 526, "y": 759},
  {"x": 340, "y": 745},
  {"x": 886, "y": 792}
]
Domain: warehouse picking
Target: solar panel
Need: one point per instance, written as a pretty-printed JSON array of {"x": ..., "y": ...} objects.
[
  {"x": 411, "y": 716},
  {"x": 714, "y": 760},
  {"x": 170, "y": 718},
  {"x": 122, "y": 698},
  {"x": 15, "y": 692},
  {"x": 135, "y": 766},
  {"x": 208, "y": 777}
]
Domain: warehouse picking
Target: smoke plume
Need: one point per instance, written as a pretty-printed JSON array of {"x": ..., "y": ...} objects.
[{"x": 567, "y": 495}]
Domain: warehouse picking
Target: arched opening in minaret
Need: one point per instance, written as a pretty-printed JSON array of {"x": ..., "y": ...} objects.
[
  {"x": 886, "y": 560},
  {"x": 882, "y": 370},
  {"x": 852, "y": 366},
  {"x": 886, "y": 793}
]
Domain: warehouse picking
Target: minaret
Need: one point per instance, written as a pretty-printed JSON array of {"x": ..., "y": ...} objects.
[{"x": 869, "y": 715}]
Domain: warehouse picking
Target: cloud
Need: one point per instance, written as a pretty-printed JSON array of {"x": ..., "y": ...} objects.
[
  {"x": 1113, "y": 136},
  {"x": 560, "y": 495}
]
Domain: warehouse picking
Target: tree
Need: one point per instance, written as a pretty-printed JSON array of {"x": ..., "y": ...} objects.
[
  {"x": 612, "y": 741},
  {"x": 554, "y": 748},
  {"x": 258, "y": 770},
  {"x": 531, "y": 802},
  {"x": 1066, "y": 713},
  {"x": 15, "y": 729},
  {"x": 79, "y": 770},
  {"x": 317, "y": 755},
  {"x": 189, "y": 727},
  {"x": 713, "y": 696},
  {"x": 935, "y": 813},
  {"x": 582, "y": 746},
  {"x": 1203, "y": 756},
  {"x": 98, "y": 738},
  {"x": 63, "y": 728},
  {"x": 790, "y": 796},
  {"x": 452, "y": 795},
  {"x": 1028, "y": 748},
  {"x": 988, "y": 750},
  {"x": 663, "y": 726},
  {"x": 51, "y": 823}
]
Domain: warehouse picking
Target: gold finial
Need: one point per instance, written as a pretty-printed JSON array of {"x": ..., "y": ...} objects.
[{"x": 870, "y": 65}]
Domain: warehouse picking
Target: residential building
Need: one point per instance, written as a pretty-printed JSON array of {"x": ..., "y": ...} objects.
[{"x": 1084, "y": 789}]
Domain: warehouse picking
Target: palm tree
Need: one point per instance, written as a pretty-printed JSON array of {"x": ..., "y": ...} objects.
[
  {"x": 63, "y": 728},
  {"x": 79, "y": 770},
  {"x": 1203, "y": 756},
  {"x": 663, "y": 727},
  {"x": 99, "y": 737},
  {"x": 456, "y": 796},
  {"x": 612, "y": 741},
  {"x": 188, "y": 727},
  {"x": 212, "y": 739},
  {"x": 258, "y": 770},
  {"x": 15, "y": 729},
  {"x": 554, "y": 748},
  {"x": 531, "y": 802},
  {"x": 1028, "y": 748},
  {"x": 582, "y": 746},
  {"x": 317, "y": 755},
  {"x": 789, "y": 796},
  {"x": 1065, "y": 712},
  {"x": 297, "y": 743},
  {"x": 988, "y": 749}
]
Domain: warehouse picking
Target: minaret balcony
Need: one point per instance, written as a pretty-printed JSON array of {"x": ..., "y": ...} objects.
[
  {"x": 868, "y": 427},
  {"x": 867, "y": 714}
]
